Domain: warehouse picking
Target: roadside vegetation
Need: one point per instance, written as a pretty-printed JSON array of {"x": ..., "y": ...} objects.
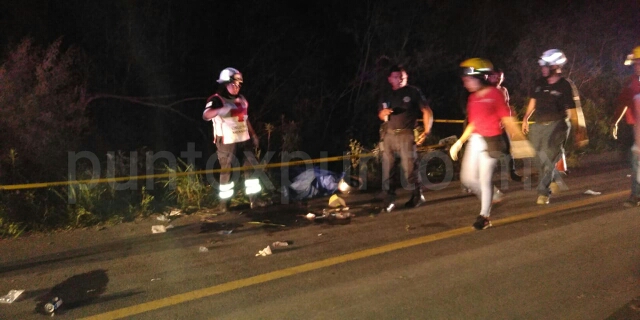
[{"x": 49, "y": 107}]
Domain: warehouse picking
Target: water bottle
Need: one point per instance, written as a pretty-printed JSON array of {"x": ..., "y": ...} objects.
[
  {"x": 385, "y": 106},
  {"x": 53, "y": 305}
]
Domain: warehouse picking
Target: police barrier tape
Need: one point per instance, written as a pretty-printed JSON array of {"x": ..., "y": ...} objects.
[{"x": 180, "y": 174}]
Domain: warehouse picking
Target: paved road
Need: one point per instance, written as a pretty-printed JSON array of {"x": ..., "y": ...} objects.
[{"x": 577, "y": 258}]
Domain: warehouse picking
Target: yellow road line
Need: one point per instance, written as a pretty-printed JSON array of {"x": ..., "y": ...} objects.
[{"x": 266, "y": 277}]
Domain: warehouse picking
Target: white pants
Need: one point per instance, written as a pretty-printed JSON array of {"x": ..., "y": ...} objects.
[{"x": 477, "y": 171}]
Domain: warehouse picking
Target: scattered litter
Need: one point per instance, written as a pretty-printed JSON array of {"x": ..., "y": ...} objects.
[
  {"x": 310, "y": 216},
  {"x": 628, "y": 176},
  {"x": 11, "y": 296},
  {"x": 319, "y": 234},
  {"x": 281, "y": 243},
  {"x": 203, "y": 249},
  {"x": 160, "y": 228},
  {"x": 225, "y": 232},
  {"x": 326, "y": 211},
  {"x": 156, "y": 279},
  {"x": 163, "y": 218},
  {"x": 591, "y": 192},
  {"x": 175, "y": 212},
  {"x": 336, "y": 201},
  {"x": 266, "y": 224},
  {"x": 53, "y": 305},
  {"x": 264, "y": 252}
]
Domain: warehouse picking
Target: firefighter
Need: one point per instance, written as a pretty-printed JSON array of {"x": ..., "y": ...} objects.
[
  {"x": 400, "y": 108},
  {"x": 556, "y": 103},
  {"x": 629, "y": 107},
  {"x": 233, "y": 136}
]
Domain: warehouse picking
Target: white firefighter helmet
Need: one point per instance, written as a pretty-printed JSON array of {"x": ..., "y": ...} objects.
[
  {"x": 230, "y": 74},
  {"x": 552, "y": 57},
  {"x": 634, "y": 55}
]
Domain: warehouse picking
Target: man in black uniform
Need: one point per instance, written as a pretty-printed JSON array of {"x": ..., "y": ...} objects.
[
  {"x": 400, "y": 108},
  {"x": 556, "y": 103}
]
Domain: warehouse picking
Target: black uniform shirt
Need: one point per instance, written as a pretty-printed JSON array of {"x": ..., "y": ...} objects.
[
  {"x": 406, "y": 104},
  {"x": 552, "y": 100}
]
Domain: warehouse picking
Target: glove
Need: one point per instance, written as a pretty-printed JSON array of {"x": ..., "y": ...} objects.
[{"x": 455, "y": 148}]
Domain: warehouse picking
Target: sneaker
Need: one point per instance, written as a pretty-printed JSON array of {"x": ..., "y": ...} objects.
[
  {"x": 388, "y": 207},
  {"x": 542, "y": 199},
  {"x": 415, "y": 202},
  {"x": 482, "y": 223},
  {"x": 632, "y": 202},
  {"x": 498, "y": 196}
]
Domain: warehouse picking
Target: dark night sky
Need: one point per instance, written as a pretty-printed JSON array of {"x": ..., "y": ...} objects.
[{"x": 309, "y": 61}]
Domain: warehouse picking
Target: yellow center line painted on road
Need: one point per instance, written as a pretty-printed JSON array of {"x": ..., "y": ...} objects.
[{"x": 262, "y": 278}]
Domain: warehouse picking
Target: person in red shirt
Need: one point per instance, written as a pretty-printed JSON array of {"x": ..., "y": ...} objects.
[
  {"x": 488, "y": 116},
  {"x": 629, "y": 102}
]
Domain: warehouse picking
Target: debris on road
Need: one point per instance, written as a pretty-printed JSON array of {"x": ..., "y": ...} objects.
[
  {"x": 175, "y": 213},
  {"x": 11, "y": 296},
  {"x": 225, "y": 232},
  {"x": 266, "y": 223},
  {"x": 160, "y": 228},
  {"x": 163, "y": 218},
  {"x": 593, "y": 193},
  {"x": 281, "y": 243},
  {"x": 203, "y": 249},
  {"x": 53, "y": 305},
  {"x": 156, "y": 279},
  {"x": 335, "y": 201},
  {"x": 264, "y": 252}
]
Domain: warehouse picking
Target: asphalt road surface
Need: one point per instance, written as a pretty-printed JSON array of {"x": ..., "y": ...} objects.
[{"x": 576, "y": 258}]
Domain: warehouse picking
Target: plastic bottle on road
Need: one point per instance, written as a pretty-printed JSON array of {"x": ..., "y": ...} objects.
[{"x": 53, "y": 305}]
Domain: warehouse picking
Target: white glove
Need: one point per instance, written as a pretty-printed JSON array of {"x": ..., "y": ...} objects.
[{"x": 455, "y": 148}]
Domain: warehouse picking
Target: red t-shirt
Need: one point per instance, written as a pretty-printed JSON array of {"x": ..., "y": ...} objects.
[{"x": 485, "y": 111}]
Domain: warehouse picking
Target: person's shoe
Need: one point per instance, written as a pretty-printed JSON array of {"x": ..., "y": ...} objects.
[
  {"x": 482, "y": 223},
  {"x": 542, "y": 199},
  {"x": 415, "y": 201},
  {"x": 498, "y": 196},
  {"x": 388, "y": 207},
  {"x": 258, "y": 203},
  {"x": 632, "y": 202}
]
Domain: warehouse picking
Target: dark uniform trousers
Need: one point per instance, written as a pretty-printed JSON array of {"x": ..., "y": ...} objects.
[{"x": 400, "y": 144}]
